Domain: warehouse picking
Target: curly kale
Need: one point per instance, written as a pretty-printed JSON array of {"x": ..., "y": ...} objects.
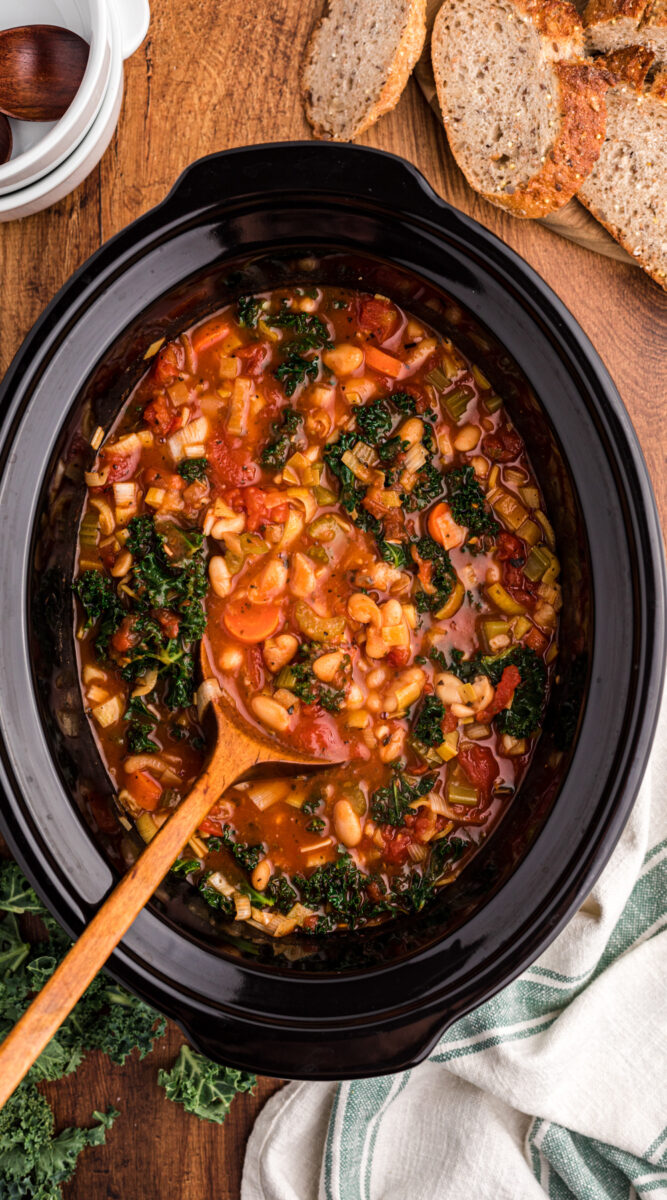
[
  {"x": 429, "y": 486},
  {"x": 523, "y": 716},
  {"x": 374, "y": 421},
  {"x": 248, "y": 309},
  {"x": 277, "y": 451},
  {"x": 173, "y": 583},
  {"x": 468, "y": 503},
  {"x": 312, "y": 334},
  {"x": 428, "y": 726},
  {"x": 192, "y": 469},
  {"x": 283, "y": 895},
  {"x": 341, "y": 888},
  {"x": 245, "y": 855},
  {"x": 390, "y": 804},
  {"x": 442, "y": 574},
  {"x": 204, "y": 1088}
]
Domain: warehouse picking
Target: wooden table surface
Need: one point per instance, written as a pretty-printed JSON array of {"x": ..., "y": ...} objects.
[{"x": 211, "y": 75}]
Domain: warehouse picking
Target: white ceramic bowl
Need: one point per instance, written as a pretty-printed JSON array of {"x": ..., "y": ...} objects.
[
  {"x": 41, "y": 146},
  {"x": 127, "y": 25}
]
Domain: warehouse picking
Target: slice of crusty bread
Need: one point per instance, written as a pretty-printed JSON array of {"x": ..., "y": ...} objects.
[
  {"x": 612, "y": 24},
  {"x": 524, "y": 116},
  {"x": 626, "y": 190},
  {"x": 358, "y": 61}
]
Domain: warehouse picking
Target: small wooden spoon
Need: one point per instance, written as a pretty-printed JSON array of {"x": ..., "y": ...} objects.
[
  {"x": 238, "y": 749},
  {"x": 41, "y": 68},
  {"x": 6, "y": 140}
]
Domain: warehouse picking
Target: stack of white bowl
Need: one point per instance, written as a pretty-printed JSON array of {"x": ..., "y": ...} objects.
[{"x": 50, "y": 160}]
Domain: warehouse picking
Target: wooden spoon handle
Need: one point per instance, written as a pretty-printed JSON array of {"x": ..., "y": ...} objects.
[{"x": 69, "y": 981}]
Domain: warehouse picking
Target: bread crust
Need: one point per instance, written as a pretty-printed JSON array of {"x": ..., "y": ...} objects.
[
  {"x": 598, "y": 11},
  {"x": 409, "y": 49},
  {"x": 629, "y": 68},
  {"x": 582, "y": 87}
]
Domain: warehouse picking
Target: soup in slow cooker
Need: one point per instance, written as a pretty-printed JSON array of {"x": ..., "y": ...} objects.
[{"x": 331, "y": 495}]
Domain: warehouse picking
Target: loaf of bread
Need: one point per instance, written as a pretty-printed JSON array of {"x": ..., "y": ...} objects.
[
  {"x": 358, "y": 61},
  {"x": 524, "y": 114},
  {"x": 627, "y": 188},
  {"x": 613, "y": 24}
]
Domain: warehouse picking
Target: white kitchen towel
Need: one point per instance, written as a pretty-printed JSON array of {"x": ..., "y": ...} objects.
[{"x": 555, "y": 1088}]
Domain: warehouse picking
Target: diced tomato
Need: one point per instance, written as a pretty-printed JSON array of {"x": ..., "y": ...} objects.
[
  {"x": 255, "y": 668},
  {"x": 230, "y": 462},
  {"x": 144, "y": 789},
  {"x": 317, "y": 734},
  {"x": 518, "y": 586},
  {"x": 449, "y": 723},
  {"x": 399, "y": 656},
  {"x": 396, "y": 844},
  {"x": 257, "y": 503},
  {"x": 168, "y": 365},
  {"x": 377, "y": 317},
  {"x": 536, "y": 640},
  {"x": 120, "y": 466},
  {"x": 159, "y": 415},
  {"x": 168, "y": 621},
  {"x": 125, "y": 637},
  {"x": 422, "y": 402},
  {"x": 254, "y": 357},
  {"x": 510, "y": 546},
  {"x": 504, "y": 694},
  {"x": 385, "y": 364},
  {"x": 374, "y": 892},
  {"x": 213, "y": 825},
  {"x": 164, "y": 479},
  {"x": 480, "y": 769},
  {"x": 210, "y": 334},
  {"x": 503, "y": 445}
]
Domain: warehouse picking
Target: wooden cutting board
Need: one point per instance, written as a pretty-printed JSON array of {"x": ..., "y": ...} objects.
[{"x": 572, "y": 221}]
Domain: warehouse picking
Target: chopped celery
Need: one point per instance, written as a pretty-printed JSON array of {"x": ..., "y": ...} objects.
[
  {"x": 521, "y": 627},
  {"x": 323, "y": 529},
  {"x": 428, "y": 754},
  {"x": 529, "y": 531},
  {"x": 324, "y": 496},
  {"x": 252, "y": 543},
  {"x": 537, "y": 562},
  {"x": 449, "y": 747},
  {"x": 88, "y": 530},
  {"x": 438, "y": 379},
  {"x": 492, "y": 403},
  {"x": 286, "y": 679},
  {"x": 461, "y": 793},
  {"x": 318, "y": 629},
  {"x": 457, "y": 401},
  {"x": 493, "y": 628},
  {"x": 318, "y": 554},
  {"x": 502, "y": 600}
]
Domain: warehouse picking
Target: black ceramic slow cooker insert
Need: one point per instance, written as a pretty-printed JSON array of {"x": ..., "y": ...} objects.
[{"x": 302, "y": 213}]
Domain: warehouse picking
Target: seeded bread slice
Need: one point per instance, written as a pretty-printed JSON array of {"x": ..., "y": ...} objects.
[
  {"x": 612, "y": 24},
  {"x": 524, "y": 115},
  {"x": 626, "y": 189},
  {"x": 358, "y": 62}
]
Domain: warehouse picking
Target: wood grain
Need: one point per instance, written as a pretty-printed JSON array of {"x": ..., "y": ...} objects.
[{"x": 211, "y": 76}]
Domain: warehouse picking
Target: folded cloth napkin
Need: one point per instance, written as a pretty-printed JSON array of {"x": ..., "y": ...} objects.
[{"x": 557, "y": 1087}]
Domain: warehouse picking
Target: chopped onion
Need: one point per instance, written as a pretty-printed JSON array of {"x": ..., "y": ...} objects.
[
  {"x": 193, "y": 434},
  {"x": 417, "y": 853},
  {"x": 242, "y": 906},
  {"x": 146, "y": 683},
  {"x": 108, "y": 713},
  {"x": 266, "y": 793},
  {"x": 415, "y": 458},
  {"x": 306, "y": 499},
  {"x": 207, "y": 691},
  {"x": 96, "y": 478},
  {"x": 124, "y": 494}
]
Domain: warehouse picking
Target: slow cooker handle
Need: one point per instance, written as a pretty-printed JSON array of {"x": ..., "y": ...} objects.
[
  {"x": 354, "y": 172},
  {"x": 345, "y": 1053}
]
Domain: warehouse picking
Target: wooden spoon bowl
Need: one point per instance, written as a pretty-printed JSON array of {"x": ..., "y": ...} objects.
[
  {"x": 238, "y": 750},
  {"x": 41, "y": 68},
  {"x": 6, "y": 139}
]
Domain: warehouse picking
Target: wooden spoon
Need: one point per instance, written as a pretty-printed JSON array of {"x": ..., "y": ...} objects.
[
  {"x": 6, "y": 139},
  {"x": 41, "y": 68},
  {"x": 238, "y": 749}
]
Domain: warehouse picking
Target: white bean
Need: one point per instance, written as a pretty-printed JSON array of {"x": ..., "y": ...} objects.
[
  {"x": 278, "y": 651},
  {"x": 326, "y": 666},
  {"x": 361, "y": 608},
  {"x": 261, "y": 875},
  {"x": 270, "y": 713},
  {"x": 347, "y": 823},
  {"x": 218, "y": 573},
  {"x": 343, "y": 359},
  {"x": 467, "y": 438},
  {"x": 231, "y": 658}
]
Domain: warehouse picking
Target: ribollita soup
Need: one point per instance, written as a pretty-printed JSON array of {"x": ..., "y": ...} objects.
[{"x": 325, "y": 490}]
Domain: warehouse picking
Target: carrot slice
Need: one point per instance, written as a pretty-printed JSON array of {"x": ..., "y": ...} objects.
[
  {"x": 386, "y": 364},
  {"x": 443, "y": 528},
  {"x": 209, "y": 335},
  {"x": 250, "y": 623},
  {"x": 144, "y": 789}
]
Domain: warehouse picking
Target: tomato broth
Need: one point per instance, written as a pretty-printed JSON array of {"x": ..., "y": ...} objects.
[{"x": 330, "y": 494}]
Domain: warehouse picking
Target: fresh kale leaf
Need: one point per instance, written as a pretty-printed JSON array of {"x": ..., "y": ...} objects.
[
  {"x": 442, "y": 576},
  {"x": 312, "y": 334},
  {"x": 390, "y": 804},
  {"x": 428, "y": 726},
  {"x": 523, "y": 717},
  {"x": 248, "y": 309},
  {"x": 294, "y": 370},
  {"x": 468, "y": 503},
  {"x": 374, "y": 421},
  {"x": 99, "y": 597},
  {"x": 192, "y": 469},
  {"x": 429, "y": 487},
  {"x": 204, "y": 1088},
  {"x": 341, "y": 888},
  {"x": 185, "y": 866},
  {"x": 277, "y": 451},
  {"x": 395, "y": 553},
  {"x": 278, "y": 889},
  {"x": 246, "y": 856},
  {"x": 404, "y": 402}
]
